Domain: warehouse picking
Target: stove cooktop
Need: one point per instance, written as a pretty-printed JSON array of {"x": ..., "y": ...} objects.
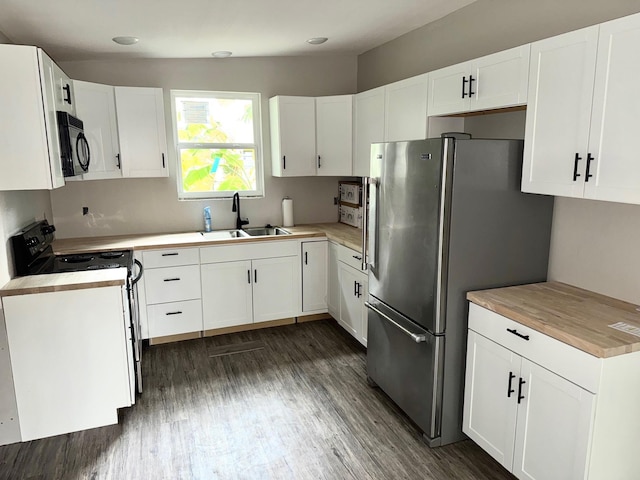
[{"x": 91, "y": 261}]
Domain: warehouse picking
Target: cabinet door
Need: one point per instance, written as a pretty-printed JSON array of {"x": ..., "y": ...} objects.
[
  {"x": 334, "y": 135},
  {"x": 350, "y": 304},
  {"x": 293, "y": 136},
  {"x": 48, "y": 80},
  {"x": 613, "y": 143},
  {"x": 501, "y": 79},
  {"x": 64, "y": 94},
  {"x": 333, "y": 287},
  {"x": 275, "y": 288},
  {"x": 490, "y": 397},
  {"x": 314, "y": 276},
  {"x": 406, "y": 109},
  {"x": 143, "y": 141},
  {"x": 227, "y": 297},
  {"x": 363, "y": 333},
  {"x": 561, "y": 79},
  {"x": 369, "y": 128},
  {"x": 96, "y": 107},
  {"x": 449, "y": 90},
  {"x": 554, "y": 423}
]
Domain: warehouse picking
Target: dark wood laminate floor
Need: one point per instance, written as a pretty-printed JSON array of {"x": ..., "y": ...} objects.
[{"x": 298, "y": 408}]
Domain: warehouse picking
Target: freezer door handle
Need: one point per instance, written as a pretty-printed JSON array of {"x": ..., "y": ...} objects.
[{"x": 418, "y": 338}]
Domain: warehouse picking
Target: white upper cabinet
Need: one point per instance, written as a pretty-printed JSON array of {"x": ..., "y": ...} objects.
[
  {"x": 334, "y": 135},
  {"x": 369, "y": 128},
  {"x": 406, "y": 109},
  {"x": 293, "y": 136},
  {"x": 29, "y": 144},
  {"x": 96, "y": 107},
  {"x": 141, "y": 128},
  {"x": 493, "y": 81},
  {"x": 581, "y": 120},
  {"x": 64, "y": 92},
  {"x": 612, "y": 157},
  {"x": 558, "y": 113}
]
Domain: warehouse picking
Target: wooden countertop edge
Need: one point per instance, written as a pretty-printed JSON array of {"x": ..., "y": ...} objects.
[
  {"x": 10, "y": 292},
  {"x": 541, "y": 326}
]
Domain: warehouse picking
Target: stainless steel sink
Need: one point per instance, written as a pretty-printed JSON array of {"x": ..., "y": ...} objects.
[
  {"x": 224, "y": 234},
  {"x": 265, "y": 231}
]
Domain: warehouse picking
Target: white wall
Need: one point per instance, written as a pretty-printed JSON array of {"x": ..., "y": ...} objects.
[{"x": 151, "y": 205}]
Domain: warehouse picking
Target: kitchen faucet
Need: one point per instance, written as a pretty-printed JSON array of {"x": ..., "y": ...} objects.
[{"x": 236, "y": 208}]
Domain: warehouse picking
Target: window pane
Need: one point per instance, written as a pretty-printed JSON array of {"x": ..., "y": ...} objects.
[
  {"x": 214, "y": 120},
  {"x": 218, "y": 169}
]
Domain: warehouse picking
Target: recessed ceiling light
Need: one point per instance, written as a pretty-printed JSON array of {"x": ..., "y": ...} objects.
[
  {"x": 221, "y": 54},
  {"x": 317, "y": 40},
  {"x": 125, "y": 40}
]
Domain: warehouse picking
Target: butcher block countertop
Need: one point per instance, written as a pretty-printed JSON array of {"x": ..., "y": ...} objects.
[
  {"x": 577, "y": 317},
  {"x": 58, "y": 282},
  {"x": 338, "y": 232}
]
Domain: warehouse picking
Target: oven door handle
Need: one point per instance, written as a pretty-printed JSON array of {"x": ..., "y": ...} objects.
[{"x": 139, "y": 276}]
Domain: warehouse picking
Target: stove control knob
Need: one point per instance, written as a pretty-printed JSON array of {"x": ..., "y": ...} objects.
[
  {"x": 32, "y": 242},
  {"x": 48, "y": 229}
]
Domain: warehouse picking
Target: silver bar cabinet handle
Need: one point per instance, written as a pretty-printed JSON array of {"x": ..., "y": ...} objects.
[{"x": 416, "y": 338}]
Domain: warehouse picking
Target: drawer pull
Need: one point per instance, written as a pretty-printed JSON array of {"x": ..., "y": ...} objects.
[
  {"x": 520, "y": 384},
  {"x": 518, "y": 334},
  {"x": 509, "y": 389},
  {"x": 174, "y": 313},
  {"x": 357, "y": 257},
  {"x": 171, "y": 279},
  {"x": 173, "y": 254}
]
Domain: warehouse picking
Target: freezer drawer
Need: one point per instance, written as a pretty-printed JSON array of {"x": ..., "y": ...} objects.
[{"x": 405, "y": 361}]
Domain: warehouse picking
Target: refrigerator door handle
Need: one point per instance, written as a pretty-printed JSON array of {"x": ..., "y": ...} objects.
[
  {"x": 365, "y": 221},
  {"x": 418, "y": 338},
  {"x": 373, "y": 223}
]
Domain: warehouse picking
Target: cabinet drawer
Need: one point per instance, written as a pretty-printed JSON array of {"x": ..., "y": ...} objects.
[
  {"x": 249, "y": 251},
  {"x": 170, "y": 258},
  {"x": 569, "y": 362},
  {"x": 174, "y": 318},
  {"x": 350, "y": 257},
  {"x": 173, "y": 284}
]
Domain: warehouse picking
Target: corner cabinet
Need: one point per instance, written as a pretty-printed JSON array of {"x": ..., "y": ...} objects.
[
  {"x": 334, "y": 135},
  {"x": 405, "y": 109},
  {"x": 580, "y": 134},
  {"x": 96, "y": 107},
  {"x": 141, "y": 129},
  {"x": 30, "y": 156},
  {"x": 494, "y": 81},
  {"x": 544, "y": 409},
  {"x": 368, "y": 128}
]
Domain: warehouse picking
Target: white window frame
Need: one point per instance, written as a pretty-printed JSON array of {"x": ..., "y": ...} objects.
[{"x": 257, "y": 136}]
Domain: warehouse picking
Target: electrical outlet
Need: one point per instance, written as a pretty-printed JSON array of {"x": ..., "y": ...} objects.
[{"x": 85, "y": 210}]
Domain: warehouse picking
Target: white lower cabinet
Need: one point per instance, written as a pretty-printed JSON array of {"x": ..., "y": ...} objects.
[
  {"x": 249, "y": 289},
  {"x": 70, "y": 371},
  {"x": 546, "y": 410},
  {"x": 314, "y": 277},
  {"x": 170, "y": 292},
  {"x": 347, "y": 290}
]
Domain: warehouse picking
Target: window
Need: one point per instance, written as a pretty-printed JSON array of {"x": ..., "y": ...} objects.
[{"x": 219, "y": 144}]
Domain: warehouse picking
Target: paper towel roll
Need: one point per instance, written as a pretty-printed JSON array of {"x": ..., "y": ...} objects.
[{"x": 287, "y": 212}]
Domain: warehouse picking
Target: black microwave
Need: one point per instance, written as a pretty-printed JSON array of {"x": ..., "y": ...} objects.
[{"x": 74, "y": 147}]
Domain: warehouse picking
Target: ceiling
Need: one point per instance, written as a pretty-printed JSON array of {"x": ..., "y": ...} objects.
[{"x": 82, "y": 29}]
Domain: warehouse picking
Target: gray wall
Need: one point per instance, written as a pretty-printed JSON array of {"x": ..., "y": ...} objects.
[
  {"x": 593, "y": 244},
  {"x": 151, "y": 205},
  {"x": 485, "y": 26}
]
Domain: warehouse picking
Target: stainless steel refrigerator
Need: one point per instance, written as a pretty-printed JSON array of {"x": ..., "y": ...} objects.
[{"x": 446, "y": 216}]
